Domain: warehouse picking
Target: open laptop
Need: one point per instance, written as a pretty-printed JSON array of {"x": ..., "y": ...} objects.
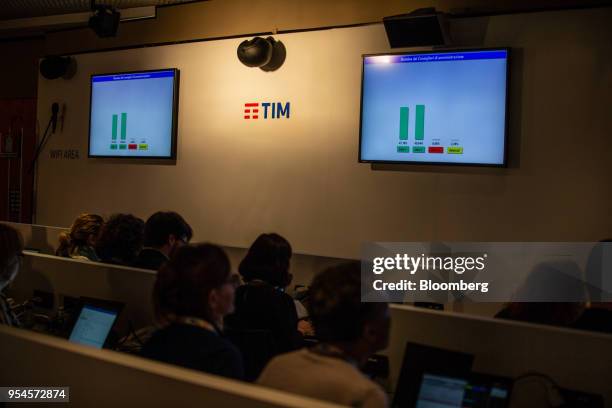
[
  {"x": 419, "y": 360},
  {"x": 473, "y": 390},
  {"x": 95, "y": 321}
]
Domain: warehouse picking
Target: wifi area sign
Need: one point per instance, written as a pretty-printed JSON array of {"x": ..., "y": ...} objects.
[{"x": 267, "y": 110}]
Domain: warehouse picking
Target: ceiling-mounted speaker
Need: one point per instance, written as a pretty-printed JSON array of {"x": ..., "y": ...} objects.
[
  {"x": 264, "y": 53},
  {"x": 105, "y": 21},
  {"x": 422, "y": 27},
  {"x": 55, "y": 66}
]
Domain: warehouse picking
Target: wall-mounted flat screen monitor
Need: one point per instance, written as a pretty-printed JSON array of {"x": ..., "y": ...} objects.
[
  {"x": 134, "y": 114},
  {"x": 442, "y": 107}
]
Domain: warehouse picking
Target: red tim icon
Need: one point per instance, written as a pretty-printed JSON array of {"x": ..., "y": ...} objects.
[{"x": 251, "y": 110}]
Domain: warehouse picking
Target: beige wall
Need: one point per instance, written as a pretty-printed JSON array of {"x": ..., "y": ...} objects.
[{"x": 300, "y": 177}]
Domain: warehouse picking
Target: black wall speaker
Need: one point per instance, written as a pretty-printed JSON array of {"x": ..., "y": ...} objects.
[
  {"x": 54, "y": 67},
  {"x": 423, "y": 27},
  {"x": 105, "y": 21}
]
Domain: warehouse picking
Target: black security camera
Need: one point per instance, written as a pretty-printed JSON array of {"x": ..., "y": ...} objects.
[{"x": 265, "y": 53}]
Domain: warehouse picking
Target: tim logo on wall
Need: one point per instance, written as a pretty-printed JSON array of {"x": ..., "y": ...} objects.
[{"x": 267, "y": 110}]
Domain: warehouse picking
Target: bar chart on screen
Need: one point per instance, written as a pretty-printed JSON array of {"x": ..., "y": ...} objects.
[
  {"x": 122, "y": 144},
  {"x": 132, "y": 115},
  {"x": 418, "y": 142},
  {"x": 439, "y": 107}
]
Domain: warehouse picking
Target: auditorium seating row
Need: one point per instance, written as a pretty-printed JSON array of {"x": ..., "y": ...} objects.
[
  {"x": 107, "y": 378},
  {"x": 574, "y": 359},
  {"x": 44, "y": 240}
]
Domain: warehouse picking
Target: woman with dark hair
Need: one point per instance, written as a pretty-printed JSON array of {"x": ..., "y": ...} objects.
[
  {"x": 261, "y": 303},
  {"x": 193, "y": 292},
  {"x": 11, "y": 245},
  {"x": 80, "y": 241},
  {"x": 268, "y": 261},
  {"x": 121, "y": 239}
]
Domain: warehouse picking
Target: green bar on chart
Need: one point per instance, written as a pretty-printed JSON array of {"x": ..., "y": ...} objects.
[
  {"x": 403, "y": 131},
  {"x": 114, "y": 127},
  {"x": 123, "y": 125},
  {"x": 419, "y": 125}
]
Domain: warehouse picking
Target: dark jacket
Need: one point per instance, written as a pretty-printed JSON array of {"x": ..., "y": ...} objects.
[
  {"x": 260, "y": 306},
  {"x": 196, "y": 348},
  {"x": 150, "y": 258}
]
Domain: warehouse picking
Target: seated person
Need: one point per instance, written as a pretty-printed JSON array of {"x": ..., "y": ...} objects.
[
  {"x": 11, "y": 245},
  {"x": 192, "y": 294},
  {"x": 121, "y": 239},
  {"x": 261, "y": 303},
  {"x": 598, "y": 315},
  {"x": 350, "y": 331},
  {"x": 164, "y": 232},
  {"x": 80, "y": 241},
  {"x": 558, "y": 291}
]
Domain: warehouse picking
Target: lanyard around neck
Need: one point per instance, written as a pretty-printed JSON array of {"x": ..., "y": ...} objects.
[{"x": 197, "y": 322}]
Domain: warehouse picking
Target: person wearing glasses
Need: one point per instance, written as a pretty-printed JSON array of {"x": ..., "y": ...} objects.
[
  {"x": 11, "y": 247},
  {"x": 193, "y": 292},
  {"x": 164, "y": 232}
]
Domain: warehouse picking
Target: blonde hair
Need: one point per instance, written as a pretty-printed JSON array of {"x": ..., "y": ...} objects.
[{"x": 82, "y": 228}]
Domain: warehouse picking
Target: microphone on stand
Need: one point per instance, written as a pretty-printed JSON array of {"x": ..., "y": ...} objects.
[
  {"x": 54, "y": 111},
  {"x": 62, "y": 117}
]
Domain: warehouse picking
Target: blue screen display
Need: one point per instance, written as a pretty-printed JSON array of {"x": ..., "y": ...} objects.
[
  {"x": 93, "y": 326},
  {"x": 439, "y": 107},
  {"x": 132, "y": 114}
]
